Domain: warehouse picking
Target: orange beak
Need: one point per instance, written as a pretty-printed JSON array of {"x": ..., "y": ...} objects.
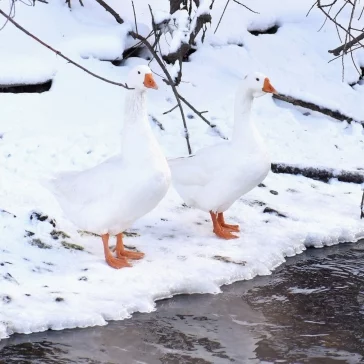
[
  {"x": 267, "y": 87},
  {"x": 149, "y": 81}
]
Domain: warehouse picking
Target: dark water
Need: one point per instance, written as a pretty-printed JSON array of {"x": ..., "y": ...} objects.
[{"x": 311, "y": 310}]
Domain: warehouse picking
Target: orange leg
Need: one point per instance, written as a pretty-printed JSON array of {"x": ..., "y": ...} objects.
[
  {"x": 122, "y": 253},
  {"x": 220, "y": 231},
  {"x": 110, "y": 259},
  {"x": 221, "y": 220}
]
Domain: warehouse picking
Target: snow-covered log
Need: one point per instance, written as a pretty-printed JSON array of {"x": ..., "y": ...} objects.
[{"x": 320, "y": 174}]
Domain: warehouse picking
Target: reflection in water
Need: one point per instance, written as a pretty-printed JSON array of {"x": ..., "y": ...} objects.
[{"x": 309, "y": 311}]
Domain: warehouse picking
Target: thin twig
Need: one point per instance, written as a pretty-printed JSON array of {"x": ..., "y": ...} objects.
[
  {"x": 58, "y": 53},
  {"x": 313, "y": 5},
  {"x": 169, "y": 82},
  {"x": 110, "y": 10},
  {"x": 350, "y": 40},
  {"x": 354, "y": 41},
  {"x": 222, "y": 15},
  {"x": 361, "y": 207},
  {"x": 346, "y": 42},
  {"x": 335, "y": 114},
  {"x": 361, "y": 13},
  {"x": 333, "y": 20},
  {"x": 173, "y": 108},
  {"x": 246, "y": 7},
  {"x": 12, "y": 8},
  {"x": 351, "y": 50},
  {"x": 213, "y": 126},
  {"x": 135, "y": 20}
]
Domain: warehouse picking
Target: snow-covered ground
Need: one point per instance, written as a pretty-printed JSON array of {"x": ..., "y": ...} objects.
[{"x": 77, "y": 124}]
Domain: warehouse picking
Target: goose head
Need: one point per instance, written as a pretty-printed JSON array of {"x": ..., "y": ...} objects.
[
  {"x": 257, "y": 84},
  {"x": 141, "y": 78}
]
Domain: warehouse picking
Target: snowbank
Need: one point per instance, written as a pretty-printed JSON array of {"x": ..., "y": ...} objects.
[{"x": 46, "y": 282}]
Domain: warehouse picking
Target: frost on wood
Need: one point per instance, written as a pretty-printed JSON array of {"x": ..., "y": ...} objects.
[{"x": 184, "y": 26}]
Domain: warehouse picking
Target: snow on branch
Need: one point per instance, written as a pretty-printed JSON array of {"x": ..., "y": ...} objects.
[
  {"x": 347, "y": 31},
  {"x": 184, "y": 24}
]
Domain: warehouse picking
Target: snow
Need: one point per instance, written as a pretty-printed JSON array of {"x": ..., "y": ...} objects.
[{"x": 77, "y": 124}]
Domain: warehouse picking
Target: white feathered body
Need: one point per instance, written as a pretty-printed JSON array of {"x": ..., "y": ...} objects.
[
  {"x": 109, "y": 197},
  {"x": 215, "y": 177}
]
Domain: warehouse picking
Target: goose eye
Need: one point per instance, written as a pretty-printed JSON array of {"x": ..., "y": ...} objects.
[
  {"x": 138, "y": 72},
  {"x": 257, "y": 79}
]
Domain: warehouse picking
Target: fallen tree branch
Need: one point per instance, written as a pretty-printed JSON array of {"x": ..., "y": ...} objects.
[
  {"x": 58, "y": 53},
  {"x": 110, "y": 10},
  {"x": 323, "y": 110},
  {"x": 362, "y": 207},
  {"x": 346, "y": 46},
  {"x": 319, "y": 174}
]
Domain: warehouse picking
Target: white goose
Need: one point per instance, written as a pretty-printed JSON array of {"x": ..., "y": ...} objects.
[
  {"x": 215, "y": 177},
  {"x": 109, "y": 197}
]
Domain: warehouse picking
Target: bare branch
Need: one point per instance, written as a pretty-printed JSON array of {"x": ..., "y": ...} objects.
[
  {"x": 246, "y": 7},
  {"x": 110, "y": 10},
  {"x": 213, "y": 126},
  {"x": 313, "y": 5},
  {"x": 135, "y": 20},
  {"x": 320, "y": 6},
  {"x": 222, "y": 15},
  {"x": 169, "y": 82},
  {"x": 350, "y": 40},
  {"x": 346, "y": 46},
  {"x": 362, "y": 207},
  {"x": 58, "y": 53},
  {"x": 69, "y": 2},
  {"x": 323, "y": 110},
  {"x": 173, "y": 108},
  {"x": 11, "y": 14},
  {"x": 223, "y": 12}
]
